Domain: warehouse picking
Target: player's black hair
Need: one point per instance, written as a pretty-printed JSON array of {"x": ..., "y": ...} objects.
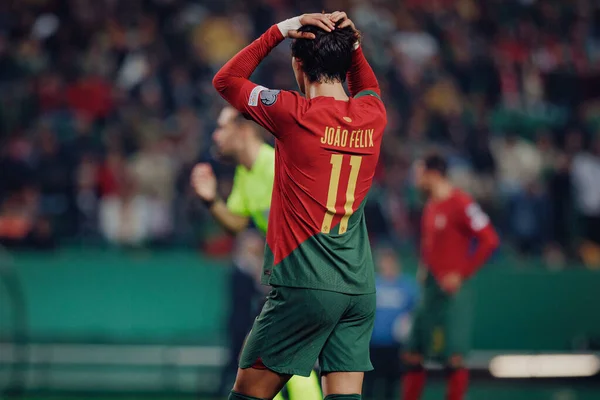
[
  {"x": 436, "y": 162},
  {"x": 328, "y": 57}
]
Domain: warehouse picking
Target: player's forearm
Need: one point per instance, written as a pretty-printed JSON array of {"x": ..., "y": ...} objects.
[
  {"x": 233, "y": 223},
  {"x": 488, "y": 242},
  {"x": 361, "y": 77},
  {"x": 232, "y": 76}
]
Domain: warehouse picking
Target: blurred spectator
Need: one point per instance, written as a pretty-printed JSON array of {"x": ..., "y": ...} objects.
[
  {"x": 124, "y": 218},
  {"x": 397, "y": 297},
  {"x": 21, "y": 225},
  {"x": 586, "y": 178},
  {"x": 561, "y": 204},
  {"x": 54, "y": 178},
  {"x": 83, "y": 80},
  {"x": 519, "y": 163},
  {"x": 86, "y": 196},
  {"x": 528, "y": 215}
]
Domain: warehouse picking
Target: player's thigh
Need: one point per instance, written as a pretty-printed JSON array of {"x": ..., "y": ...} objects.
[
  {"x": 342, "y": 383},
  {"x": 458, "y": 325},
  {"x": 291, "y": 330},
  {"x": 347, "y": 348},
  {"x": 415, "y": 346}
]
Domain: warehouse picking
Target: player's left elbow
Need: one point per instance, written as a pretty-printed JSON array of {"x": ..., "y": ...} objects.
[
  {"x": 492, "y": 240},
  {"x": 219, "y": 82}
]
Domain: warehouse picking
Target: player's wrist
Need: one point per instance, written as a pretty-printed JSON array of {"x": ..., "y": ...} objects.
[
  {"x": 288, "y": 25},
  {"x": 210, "y": 202}
]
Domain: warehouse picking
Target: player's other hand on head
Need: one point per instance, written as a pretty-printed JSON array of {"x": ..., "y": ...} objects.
[
  {"x": 204, "y": 182},
  {"x": 322, "y": 21},
  {"x": 341, "y": 20},
  {"x": 452, "y": 282}
]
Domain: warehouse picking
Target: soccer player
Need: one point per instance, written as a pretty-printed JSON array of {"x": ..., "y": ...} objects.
[
  {"x": 451, "y": 223},
  {"x": 238, "y": 139},
  {"x": 318, "y": 257}
]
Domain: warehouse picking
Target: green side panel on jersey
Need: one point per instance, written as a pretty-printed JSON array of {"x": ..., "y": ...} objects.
[
  {"x": 367, "y": 93},
  {"x": 337, "y": 262}
]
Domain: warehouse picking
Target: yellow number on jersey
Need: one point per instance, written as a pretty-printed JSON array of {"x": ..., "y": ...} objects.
[{"x": 334, "y": 183}]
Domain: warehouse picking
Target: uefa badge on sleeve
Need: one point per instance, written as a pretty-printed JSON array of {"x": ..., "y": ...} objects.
[{"x": 269, "y": 97}]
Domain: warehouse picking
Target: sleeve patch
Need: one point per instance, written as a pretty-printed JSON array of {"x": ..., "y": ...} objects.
[
  {"x": 269, "y": 97},
  {"x": 254, "y": 94},
  {"x": 477, "y": 218}
]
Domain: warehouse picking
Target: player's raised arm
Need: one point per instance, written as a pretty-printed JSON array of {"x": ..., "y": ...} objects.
[
  {"x": 255, "y": 101},
  {"x": 361, "y": 78}
]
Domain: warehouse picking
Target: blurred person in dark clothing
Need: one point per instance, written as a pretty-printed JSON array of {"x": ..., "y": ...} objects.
[
  {"x": 561, "y": 202},
  {"x": 86, "y": 194},
  {"x": 84, "y": 143},
  {"x": 527, "y": 212},
  {"x": 54, "y": 177},
  {"x": 397, "y": 297},
  {"x": 245, "y": 299},
  {"x": 16, "y": 169}
]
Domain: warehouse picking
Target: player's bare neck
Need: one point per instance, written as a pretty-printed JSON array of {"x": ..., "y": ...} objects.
[
  {"x": 442, "y": 190},
  {"x": 335, "y": 90},
  {"x": 249, "y": 153}
]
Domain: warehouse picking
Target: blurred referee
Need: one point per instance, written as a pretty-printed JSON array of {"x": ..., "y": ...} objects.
[{"x": 250, "y": 200}]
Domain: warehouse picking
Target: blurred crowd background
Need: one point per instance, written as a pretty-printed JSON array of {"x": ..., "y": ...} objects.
[{"x": 105, "y": 105}]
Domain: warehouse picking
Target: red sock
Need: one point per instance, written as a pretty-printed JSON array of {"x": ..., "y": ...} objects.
[
  {"x": 458, "y": 382},
  {"x": 413, "y": 383}
]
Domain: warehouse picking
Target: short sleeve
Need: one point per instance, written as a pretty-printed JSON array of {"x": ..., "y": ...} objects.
[
  {"x": 272, "y": 109},
  {"x": 236, "y": 202}
]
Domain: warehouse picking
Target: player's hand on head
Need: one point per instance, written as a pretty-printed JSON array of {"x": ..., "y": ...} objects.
[
  {"x": 322, "y": 21},
  {"x": 204, "y": 182},
  {"x": 340, "y": 18}
]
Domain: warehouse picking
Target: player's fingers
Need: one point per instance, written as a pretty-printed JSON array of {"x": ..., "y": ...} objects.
[
  {"x": 338, "y": 16},
  {"x": 327, "y": 21},
  {"x": 346, "y": 23},
  {"x": 307, "y": 35},
  {"x": 324, "y": 25},
  {"x": 301, "y": 35}
]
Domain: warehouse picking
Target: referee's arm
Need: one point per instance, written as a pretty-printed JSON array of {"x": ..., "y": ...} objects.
[{"x": 233, "y": 223}]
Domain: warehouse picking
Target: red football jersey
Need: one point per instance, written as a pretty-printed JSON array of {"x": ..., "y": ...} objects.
[
  {"x": 326, "y": 152},
  {"x": 448, "y": 229}
]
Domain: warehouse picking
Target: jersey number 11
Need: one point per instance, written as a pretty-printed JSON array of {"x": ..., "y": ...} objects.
[{"x": 334, "y": 183}]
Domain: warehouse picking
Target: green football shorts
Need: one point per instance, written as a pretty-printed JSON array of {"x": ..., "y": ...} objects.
[
  {"x": 442, "y": 323},
  {"x": 297, "y": 327}
]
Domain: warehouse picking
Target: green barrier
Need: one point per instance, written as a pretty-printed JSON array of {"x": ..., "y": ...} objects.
[
  {"x": 179, "y": 297},
  {"x": 134, "y": 297}
]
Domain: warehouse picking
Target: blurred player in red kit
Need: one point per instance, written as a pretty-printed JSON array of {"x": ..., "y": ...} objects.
[
  {"x": 318, "y": 256},
  {"x": 450, "y": 225}
]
